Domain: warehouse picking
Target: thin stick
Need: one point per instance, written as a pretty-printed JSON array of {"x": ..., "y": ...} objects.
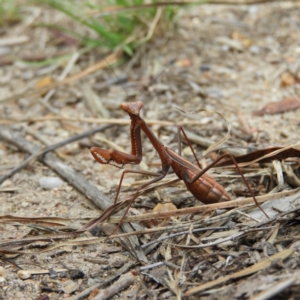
[
  {"x": 207, "y": 208},
  {"x": 181, "y": 233},
  {"x": 124, "y": 281},
  {"x": 121, "y": 9},
  {"x": 86, "y": 292},
  {"x": 73, "y": 178},
  {"x": 45, "y": 150},
  {"x": 112, "y": 58}
]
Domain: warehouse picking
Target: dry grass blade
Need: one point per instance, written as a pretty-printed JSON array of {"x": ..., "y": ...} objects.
[
  {"x": 123, "y": 282},
  {"x": 46, "y": 221},
  {"x": 7, "y": 135},
  {"x": 111, "y": 59},
  {"x": 114, "y": 208},
  {"x": 93, "y": 101},
  {"x": 269, "y": 155},
  {"x": 230, "y": 70},
  {"x": 111, "y": 121},
  {"x": 221, "y": 241},
  {"x": 248, "y": 271},
  {"x": 275, "y": 289},
  {"x": 25, "y": 274},
  {"x": 294, "y": 194},
  {"x": 219, "y": 143},
  {"x": 292, "y": 178},
  {"x": 120, "y": 9},
  {"x": 118, "y": 273},
  {"x": 102, "y": 139},
  {"x": 216, "y": 145},
  {"x": 8, "y": 246},
  {"x": 264, "y": 155},
  {"x": 75, "y": 179}
]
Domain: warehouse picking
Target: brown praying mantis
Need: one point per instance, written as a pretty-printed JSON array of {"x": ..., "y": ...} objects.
[{"x": 202, "y": 186}]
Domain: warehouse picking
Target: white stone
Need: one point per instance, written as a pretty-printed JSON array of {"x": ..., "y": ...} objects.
[{"x": 50, "y": 183}]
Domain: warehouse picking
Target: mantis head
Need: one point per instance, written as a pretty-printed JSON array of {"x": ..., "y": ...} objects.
[{"x": 132, "y": 108}]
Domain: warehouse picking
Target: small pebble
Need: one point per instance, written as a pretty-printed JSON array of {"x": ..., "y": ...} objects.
[
  {"x": 69, "y": 287},
  {"x": 2, "y": 279},
  {"x": 63, "y": 274},
  {"x": 2, "y": 271},
  {"x": 118, "y": 261},
  {"x": 253, "y": 9},
  {"x": 254, "y": 49},
  {"x": 296, "y": 246},
  {"x": 28, "y": 74},
  {"x": 53, "y": 274},
  {"x": 76, "y": 274},
  {"x": 24, "y": 204},
  {"x": 4, "y": 50},
  {"x": 205, "y": 68},
  {"x": 96, "y": 231},
  {"x": 50, "y": 183},
  {"x": 92, "y": 281},
  {"x": 214, "y": 92}
]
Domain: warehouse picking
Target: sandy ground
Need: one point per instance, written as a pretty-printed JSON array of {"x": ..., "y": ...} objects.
[{"x": 233, "y": 60}]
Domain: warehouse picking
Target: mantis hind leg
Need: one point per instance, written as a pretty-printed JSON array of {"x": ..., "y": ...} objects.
[
  {"x": 159, "y": 177},
  {"x": 197, "y": 176},
  {"x": 136, "y": 172},
  {"x": 179, "y": 130},
  {"x": 187, "y": 179}
]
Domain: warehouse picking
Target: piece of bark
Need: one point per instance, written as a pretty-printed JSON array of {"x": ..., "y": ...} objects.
[
  {"x": 123, "y": 282},
  {"x": 273, "y": 108},
  {"x": 103, "y": 283}
]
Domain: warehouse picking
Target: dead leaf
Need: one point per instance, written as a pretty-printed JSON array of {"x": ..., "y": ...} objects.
[
  {"x": 273, "y": 108},
  {"x": 44, "y": 82},
  {"x": 236, "y": 35},
  {"x": 262, "y": 156},
  {"x": 183, "y": 62},
  {"x": 287, "y": 79},
  {"x": 164, "y": 207},
  {"x": 161, "y": 208},
  {"x": 298, "y": 76}
]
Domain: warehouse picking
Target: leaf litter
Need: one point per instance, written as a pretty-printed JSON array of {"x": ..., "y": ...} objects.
[{"x": 192, "y": 251}]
